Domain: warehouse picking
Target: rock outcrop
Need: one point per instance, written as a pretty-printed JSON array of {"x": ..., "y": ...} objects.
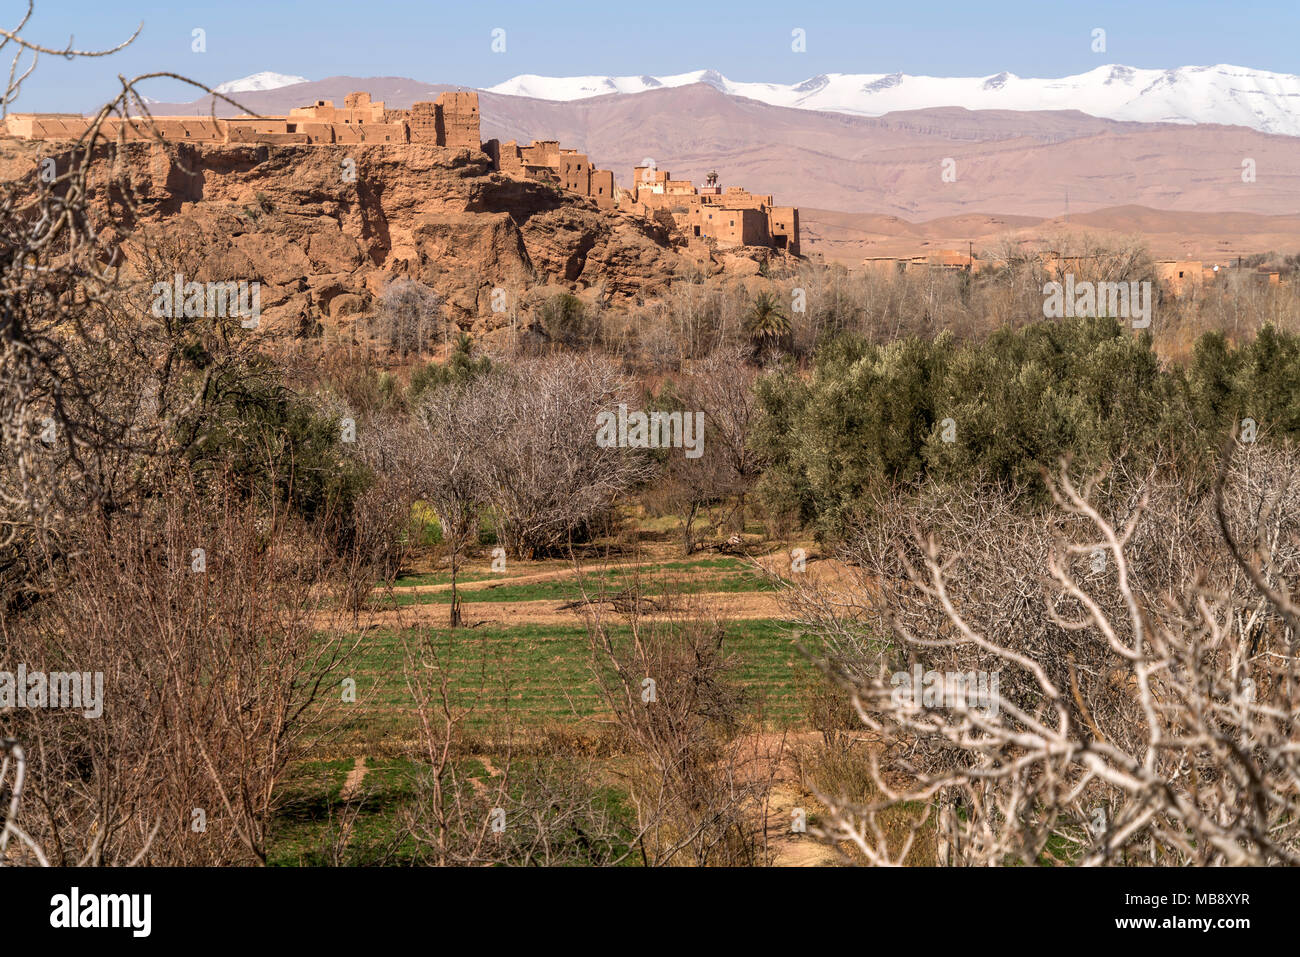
[{"x": 323, "y": 228}]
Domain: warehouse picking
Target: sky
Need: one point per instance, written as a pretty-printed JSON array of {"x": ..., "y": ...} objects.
[{"x": 438, "y": 42}]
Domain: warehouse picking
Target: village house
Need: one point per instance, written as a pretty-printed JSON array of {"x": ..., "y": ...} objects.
[
  {"x": 1180, "y": 277},
  {"x": 950, "y": 260}
]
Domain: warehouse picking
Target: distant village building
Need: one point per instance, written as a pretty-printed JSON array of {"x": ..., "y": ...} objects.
[
  {"x": 728, "y": 217},
  {"x": 944, "y": 259},
  {"x": 1184, "y": 277},
  {"x": 1181, "y": 277}
]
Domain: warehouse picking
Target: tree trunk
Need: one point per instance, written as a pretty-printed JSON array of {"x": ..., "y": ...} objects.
[
  {"x": 455, "y": 598},
  {"x": 688, "y": 530}
]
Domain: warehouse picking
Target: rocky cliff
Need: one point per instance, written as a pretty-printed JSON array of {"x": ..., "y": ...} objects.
[{"x": 323, "y": 228}]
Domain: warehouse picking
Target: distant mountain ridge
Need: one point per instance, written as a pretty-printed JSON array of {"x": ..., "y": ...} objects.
[
  {"x": 1223, "y": 94},
  {"x": 1230, "y": 95}
]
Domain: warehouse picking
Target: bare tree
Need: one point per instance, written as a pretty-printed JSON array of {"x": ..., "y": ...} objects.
[
  {"x": 216, "y": 638},
  {"x": 410, "y": 317},
  {"x": 722, "y": 388},
  {"x": 451, "y": 471},
  {"x": 534, "y": 429},
  {"x": 539, "y": 810},
  {"x": 698, "y": 779},
  {"x": 1148, "y": 694},
  {"x": 89, "y": 385},
  {"x": 13, "y": 777}
]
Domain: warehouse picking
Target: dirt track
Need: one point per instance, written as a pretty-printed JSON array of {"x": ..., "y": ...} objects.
[{"x": 727, "y": 606}]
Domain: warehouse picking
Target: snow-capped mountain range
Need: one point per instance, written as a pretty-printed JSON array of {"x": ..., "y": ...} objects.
[
  {"x": 1268, "y": 102},
  {"x": 259, "y": 81}
]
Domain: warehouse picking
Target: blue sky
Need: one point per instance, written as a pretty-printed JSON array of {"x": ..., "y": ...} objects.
[{"x": 441, "y": 42}]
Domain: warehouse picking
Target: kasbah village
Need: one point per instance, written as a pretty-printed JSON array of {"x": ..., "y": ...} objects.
[
  {"x": 729, "y": 216},
  {"x": 724, "y": 216}
]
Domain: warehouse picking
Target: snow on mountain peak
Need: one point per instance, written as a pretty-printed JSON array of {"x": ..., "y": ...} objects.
[
  {"x": 259, "y": 81},
  {"x": 1233, "y": 95}
]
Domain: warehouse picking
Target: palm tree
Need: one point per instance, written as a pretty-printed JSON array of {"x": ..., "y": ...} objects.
[{"x": 767, "y": 324}]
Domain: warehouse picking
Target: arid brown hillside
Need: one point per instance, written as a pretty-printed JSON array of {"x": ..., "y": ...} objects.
[
  {"x": 323, "y": 246},
  {"x": 848, "y": 238}
]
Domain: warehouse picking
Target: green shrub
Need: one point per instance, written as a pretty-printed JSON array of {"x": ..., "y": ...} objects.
[{"x": 461, "y": 366}]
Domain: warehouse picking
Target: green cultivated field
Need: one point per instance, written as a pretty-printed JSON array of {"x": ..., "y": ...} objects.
[
  {"x": 532, "y": 682},
  {"x": 538, "y": 675}
]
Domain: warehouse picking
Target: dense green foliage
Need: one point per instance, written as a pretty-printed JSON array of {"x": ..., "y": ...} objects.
[
  {"x": 766, "y": 324},
  {"x": 1003, "y": 409},
  {"x": 274, "y": 444}
]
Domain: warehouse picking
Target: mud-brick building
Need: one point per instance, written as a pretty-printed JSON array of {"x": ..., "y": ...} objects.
[
  {"x": 547, "y": 160},
  {"x": 730, "y": 216}
]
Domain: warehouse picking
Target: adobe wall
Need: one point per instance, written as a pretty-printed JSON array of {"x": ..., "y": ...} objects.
[
  {"x": 506, "y": 157},
  {"x": 451, "y": 121},
  {"x": 602, "y": 188},
  {"x": 737, "y": 197},
  {"x": 647, "y": 176},
  {"x": 730, "y": 216},
  {"x": 70, "y": 127},
  {"x": 546, "y": 160},
  {"x": 783, "y": 223},
  {"x": 371, "y": 133},
  {"x": 269, "y": 139},
  {"x": 357, "y": 109},
  {"x": 735, "y": 227},
  {"x": 540, "y": 153},
  {"x": 458, "y": 120},
  {"x": 1180, "y": 276},
  {"x": 40, "y": 126},
  {"x": 574, "y": 170}
]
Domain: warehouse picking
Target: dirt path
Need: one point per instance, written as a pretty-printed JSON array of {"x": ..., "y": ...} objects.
[
  {"x": 532, "y": 578},
  {"x": 788, "y": 793},
  {"x": 727, "y": 606},
  {"x": 352, "y": 784},
  {"x": 789, "y": 848}
]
